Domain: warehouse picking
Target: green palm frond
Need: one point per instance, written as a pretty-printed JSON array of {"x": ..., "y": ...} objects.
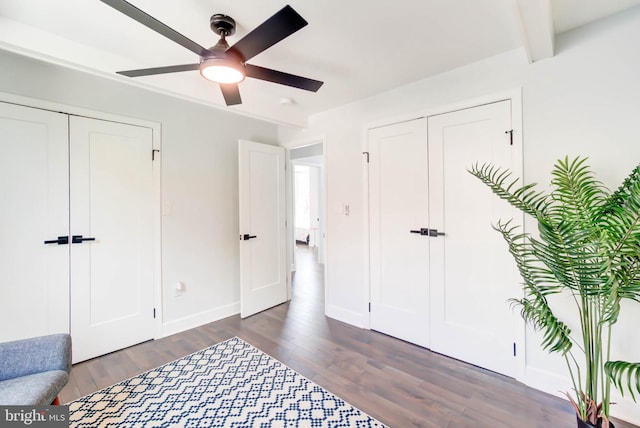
[
  {"x": 535, "y": 310},
  {"x": 564, "y": 248},
  {"x": 535, "y": 274},
  {"x": 523, "y": 198},
  {"x": 610, "y": 308},
  {"x": 538, "y": 283},
  {"x": 620, "y": 220},
  {"x": 625, "y": 376},
  {"x": 628, "y": 188},
  {"x": 577, "y": 194}
]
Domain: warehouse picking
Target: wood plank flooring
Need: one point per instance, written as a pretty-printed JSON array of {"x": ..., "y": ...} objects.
[{"x": 400, "y": 384}]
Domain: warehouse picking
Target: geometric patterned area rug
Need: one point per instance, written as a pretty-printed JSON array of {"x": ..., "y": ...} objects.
[{"x": 228, "y": 385}]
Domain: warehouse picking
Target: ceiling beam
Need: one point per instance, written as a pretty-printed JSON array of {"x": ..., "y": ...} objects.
[{"x": 536, "y": 26}]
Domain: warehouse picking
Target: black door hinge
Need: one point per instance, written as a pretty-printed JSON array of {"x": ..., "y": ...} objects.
[
  {"x": 153, "y": 154},
  {"x": 369, "y": 306},
  {"x": 510, "y": 132},
  {"x": 367, "y": 154},
  {"x": 154, "y": 313},
  {"x": 514, "y": 349}
]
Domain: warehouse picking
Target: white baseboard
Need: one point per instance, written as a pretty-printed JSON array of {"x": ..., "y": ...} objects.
[
  {"x": 546, "y": 381},
  {"x": 201, "y": 318},
  {"x": 626, "y": 410},
  {"x": 554, "y": 384},
  {"x": 356, "y": 319}
]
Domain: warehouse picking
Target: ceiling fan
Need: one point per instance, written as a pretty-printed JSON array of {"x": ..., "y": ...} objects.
[{"x": 221, "y": 63}]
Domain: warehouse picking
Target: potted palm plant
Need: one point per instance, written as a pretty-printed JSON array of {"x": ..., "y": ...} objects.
[{"x": 587, "y": 246}]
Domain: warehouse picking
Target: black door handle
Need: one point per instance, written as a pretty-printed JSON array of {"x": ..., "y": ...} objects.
[
  {"x": 246, "y": 237},
  {"x": 422, "y": 231},
  {"x": 78, "y": 239},
  {"x": 62, "y": 240},
  {"x": 434, "y": 232},
  {"x": 428, "y": 232}
]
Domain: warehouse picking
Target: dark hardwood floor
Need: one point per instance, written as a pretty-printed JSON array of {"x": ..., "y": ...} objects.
[{"x": 400, "y": 384}]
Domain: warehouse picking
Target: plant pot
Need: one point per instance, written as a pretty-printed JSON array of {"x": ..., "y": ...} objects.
[{"x": 583, "y": 424}]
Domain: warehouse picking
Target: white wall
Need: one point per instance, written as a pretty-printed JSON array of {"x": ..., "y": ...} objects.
[
  {"x": 199, "y": 179},
  {"x": 584, "y": 101}
]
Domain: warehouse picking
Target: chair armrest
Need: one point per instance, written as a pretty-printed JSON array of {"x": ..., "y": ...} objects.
[{"x": 35, "y": 355}]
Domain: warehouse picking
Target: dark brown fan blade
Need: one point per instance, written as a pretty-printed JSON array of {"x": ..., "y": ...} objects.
[
  {"x": 149, "y": 21},
  {"x": 159, "y": 70},
  {"x": 281, "y": 25},
  {"x": 231, "y": 93},
  {"x": 282, "y": 78}
]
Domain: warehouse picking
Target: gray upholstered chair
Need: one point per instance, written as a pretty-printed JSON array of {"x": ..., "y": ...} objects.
[{"x": 33, "y": 371}]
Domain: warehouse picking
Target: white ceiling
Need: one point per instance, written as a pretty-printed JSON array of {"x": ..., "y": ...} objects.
[{"x": 357, "y": 47}]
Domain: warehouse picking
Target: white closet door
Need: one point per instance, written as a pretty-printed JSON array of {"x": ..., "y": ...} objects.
[
  {"x": 472, "y": 274},
  {"x": 111, "y": 202},
  {"x": 399, "y": 257},
  {"x": 34, "y": 188}
]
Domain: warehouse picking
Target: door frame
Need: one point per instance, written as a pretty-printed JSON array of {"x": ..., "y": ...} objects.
[
  {"x": 515, "y": 96},
  {"x": 289, "y": 178},
  {"x": 156, "y": 135}
]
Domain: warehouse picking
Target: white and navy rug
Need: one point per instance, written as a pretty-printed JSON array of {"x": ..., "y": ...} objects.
[{"x": 228, "y": 385}]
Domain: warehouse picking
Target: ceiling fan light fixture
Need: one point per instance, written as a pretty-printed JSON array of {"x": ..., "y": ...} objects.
[{"x": 222, "y": 70}]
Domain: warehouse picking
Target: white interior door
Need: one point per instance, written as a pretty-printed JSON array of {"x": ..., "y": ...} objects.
[
  {"x": 34, "y": 189},
  {"x": 472, "y": 274},
  {"x": 399, "y": 204},
  {"x": 262, "y": 227},
  {"x": 111, "y": 202}
]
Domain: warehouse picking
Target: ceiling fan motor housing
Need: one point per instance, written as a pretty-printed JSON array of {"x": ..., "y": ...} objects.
[{"x": 222, "y": 25}]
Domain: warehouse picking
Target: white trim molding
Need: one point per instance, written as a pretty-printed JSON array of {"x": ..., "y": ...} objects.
[
  {"x": 356, "y": 319},
  {"x": 201, "y": 318}
]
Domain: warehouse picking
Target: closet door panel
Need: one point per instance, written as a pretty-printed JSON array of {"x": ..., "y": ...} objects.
[
  {"x": 112, "y": 211},
  {"x": 34, "y": 189}
]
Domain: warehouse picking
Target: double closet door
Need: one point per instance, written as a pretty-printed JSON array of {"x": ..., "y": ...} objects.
[
  {"x": 440, "y": 275},
  {"x": 76, "y": 253}
]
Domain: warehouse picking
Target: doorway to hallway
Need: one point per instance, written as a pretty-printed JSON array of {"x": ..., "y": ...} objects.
[{"x": 306, "y": 214}]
